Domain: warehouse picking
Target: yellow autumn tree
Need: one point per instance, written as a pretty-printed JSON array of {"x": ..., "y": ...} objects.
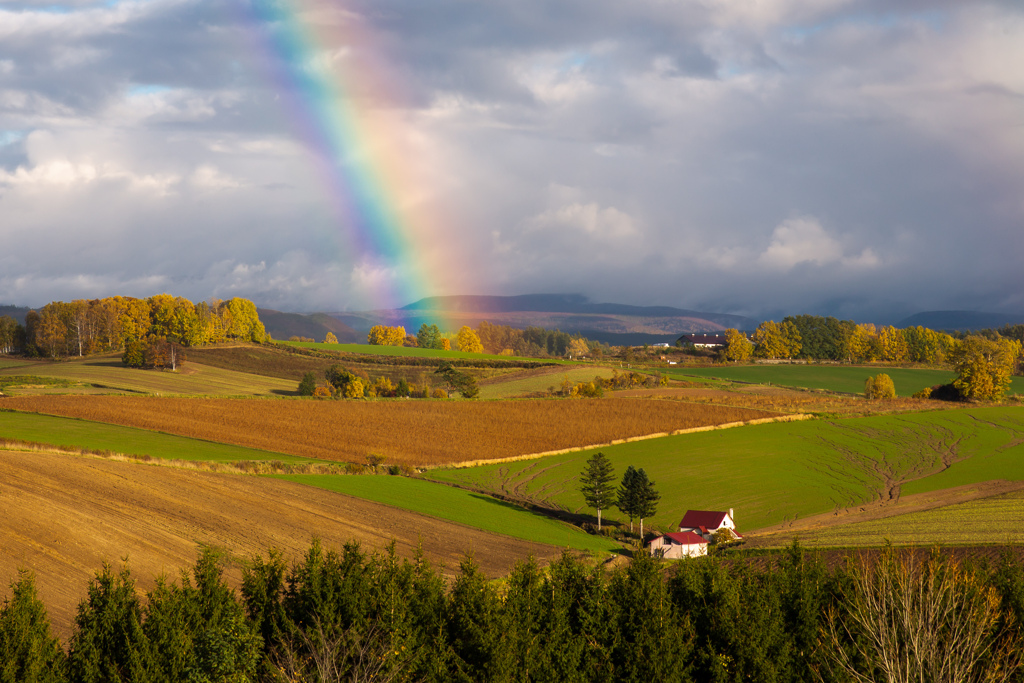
[
  {"x": 578, "y": 348},
  {"x": 382, "y": 335},
  {"x": 863, "y": 344},
  {"x": 879, "y": 386},
  {"x": 737, "y": 346},
  {"x": 894, "y": 344},
  {"x": 329, "y": 338},
  {"x": 776, "y": 340},
  {"x": 468, "y": 341},
  {"x": 984, "y": 367}
]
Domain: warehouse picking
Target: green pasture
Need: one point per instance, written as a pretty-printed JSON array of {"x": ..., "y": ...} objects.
[
  {"x": 775, "y": 472},
  {"x": 458, "y": 505},
  {"x": 64, "y": 431},
  {"x": 7, "y": 363},
  {"x": 998, "y": 520},
  {"x": 107, "y": 372},
  {"x": 541, "y": 380},
  {"x": 841, "y": 378},
  {"x": 410, "y": 351}
]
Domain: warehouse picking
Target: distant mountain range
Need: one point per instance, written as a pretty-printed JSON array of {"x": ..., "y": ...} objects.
[
  {"x": 16, "y": 312},
  {"x": 961, "y": 320},
  {"x": 573, "y": 313}
]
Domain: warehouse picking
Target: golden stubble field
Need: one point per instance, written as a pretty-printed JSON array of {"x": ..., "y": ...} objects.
[
  {"x": 62, "y": 516},
  {"x": 419, "y": 433}
]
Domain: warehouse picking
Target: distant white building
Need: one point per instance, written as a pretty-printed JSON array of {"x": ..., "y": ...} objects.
[{"x": 677, "y": 545}]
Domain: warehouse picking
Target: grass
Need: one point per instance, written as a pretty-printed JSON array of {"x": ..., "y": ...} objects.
[
  {"x": 63, "y": 431},
  {"x": 999, "y": 519},
  {"x": 18, "y": 381},
  {"x": 377, "y": 350},
  {"x": 461, "y": 506},
  {"x": 841, "y": 378},
  {"x": 192, "y": 379},
  {"x": 7, "y": 363},
  {"x": 777, "y": 472},
  {"x": 533, "y": 381}
]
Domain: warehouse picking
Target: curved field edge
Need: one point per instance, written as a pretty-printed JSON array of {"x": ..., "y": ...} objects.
[
  {"x": 780, "y": 472},
  {"x": 99, "y": 436},
  {"x": 461, "y": 506},
  {"x": 997, "y": 520},
  {"x": 413, "y": 432},
  {"x": 838, "y": 378}
]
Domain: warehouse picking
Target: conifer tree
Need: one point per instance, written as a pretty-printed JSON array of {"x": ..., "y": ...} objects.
[
  {"x": 596, "y": 480},
  {"x": 637, "y": 497},
  {"x": 28, "y": 651}
]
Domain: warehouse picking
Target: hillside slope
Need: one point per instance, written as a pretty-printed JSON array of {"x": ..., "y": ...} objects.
[{"x": 62, "y": 516}]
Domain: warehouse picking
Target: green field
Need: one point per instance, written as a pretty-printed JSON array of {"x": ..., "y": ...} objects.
[
  {"x": 776, "y": 472},
  {"x": 458, "y": 505},
  {"x": 841, "y": 378},
  {"x": 411, "y": 351},
  {"x": 542, "y": 381},
  {"x": 63, "y": 431},
  {"x": 7, "y": 363},
  {"x": 107, "y": 372},
  {"x": 999, "y": 519}
]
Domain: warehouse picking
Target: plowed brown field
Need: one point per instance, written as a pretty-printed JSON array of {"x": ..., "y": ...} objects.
[
  {"x": 61, "y": 516},
  {"x": 414, "y": 432}
]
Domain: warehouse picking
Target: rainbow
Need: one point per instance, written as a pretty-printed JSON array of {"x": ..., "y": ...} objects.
[{"x": 326, "y": 64}]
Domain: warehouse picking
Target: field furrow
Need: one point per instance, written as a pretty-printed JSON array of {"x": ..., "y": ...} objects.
[{"x": 420, "y": 433}]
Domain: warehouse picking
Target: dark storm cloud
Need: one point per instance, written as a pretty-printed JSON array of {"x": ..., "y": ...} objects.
[{"x": 861, "y": 159}]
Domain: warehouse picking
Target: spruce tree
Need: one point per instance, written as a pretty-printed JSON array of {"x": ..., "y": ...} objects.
[
  {"x": 596, "y": 480},
  {"x": 28, "y": 650},
  {"x": 637, "y": 497}
]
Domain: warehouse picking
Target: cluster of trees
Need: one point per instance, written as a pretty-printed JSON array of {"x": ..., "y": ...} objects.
[
  {"x": 334, "y": 616},
  {"x": 635, "y": 496},
  {"x": 533, "y": 342},
  {"x": 618, "y": 380},
  {"x": 826, "y": 338},
  {"x": 344, "y": 383},
  {"x": 383, "y": 335},
  {"x": 83, "y": 327}
]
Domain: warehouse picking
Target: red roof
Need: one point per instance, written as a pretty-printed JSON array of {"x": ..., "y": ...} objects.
[
  {"x": 685, "y": 538},
  {"x": 695, "y": 519}
]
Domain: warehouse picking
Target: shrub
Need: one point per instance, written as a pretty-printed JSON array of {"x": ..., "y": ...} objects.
[
  {"x": 439, "y": 393},
  {"x": 879, "y": 386},
  {"x": 322, "y": 392},
  {"x": 308, "y": 384},
  {"x": 924, "y": 393}
]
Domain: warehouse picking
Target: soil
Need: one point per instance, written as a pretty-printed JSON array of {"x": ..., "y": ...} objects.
[{"x": 63, "y": 516}]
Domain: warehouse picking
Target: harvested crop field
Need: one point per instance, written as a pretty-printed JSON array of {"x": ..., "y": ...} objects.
[
  {"x": 61, "y": 516},
  {"x": 409, "y": 432}
]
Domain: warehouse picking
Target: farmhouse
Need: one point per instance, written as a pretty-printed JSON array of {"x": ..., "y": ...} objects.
[
  {"x": 675, "y": 546},
  {"x": 702, "y": 341},
  {"x": 706, "y": 523}
]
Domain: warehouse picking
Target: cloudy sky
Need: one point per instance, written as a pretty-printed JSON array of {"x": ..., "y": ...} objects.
[{"x": 764, "y": 157}]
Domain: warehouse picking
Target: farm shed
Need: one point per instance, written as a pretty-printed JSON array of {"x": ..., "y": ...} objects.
[
  {"x": 707, "y": 522},
  {"x": 677, "y": 545}
]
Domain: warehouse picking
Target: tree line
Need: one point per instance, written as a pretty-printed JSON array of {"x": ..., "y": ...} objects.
[
  {"x": 984, "y": 362},
  {"x": 344, "y": 383},
  {"x": 346, "y": 615},
  {"x": 532, "y": 342},
  {"x": 83, "y": 327}
]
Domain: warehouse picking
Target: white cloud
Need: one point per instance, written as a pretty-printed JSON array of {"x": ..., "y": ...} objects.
[{"x": 803, "y": 240}]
